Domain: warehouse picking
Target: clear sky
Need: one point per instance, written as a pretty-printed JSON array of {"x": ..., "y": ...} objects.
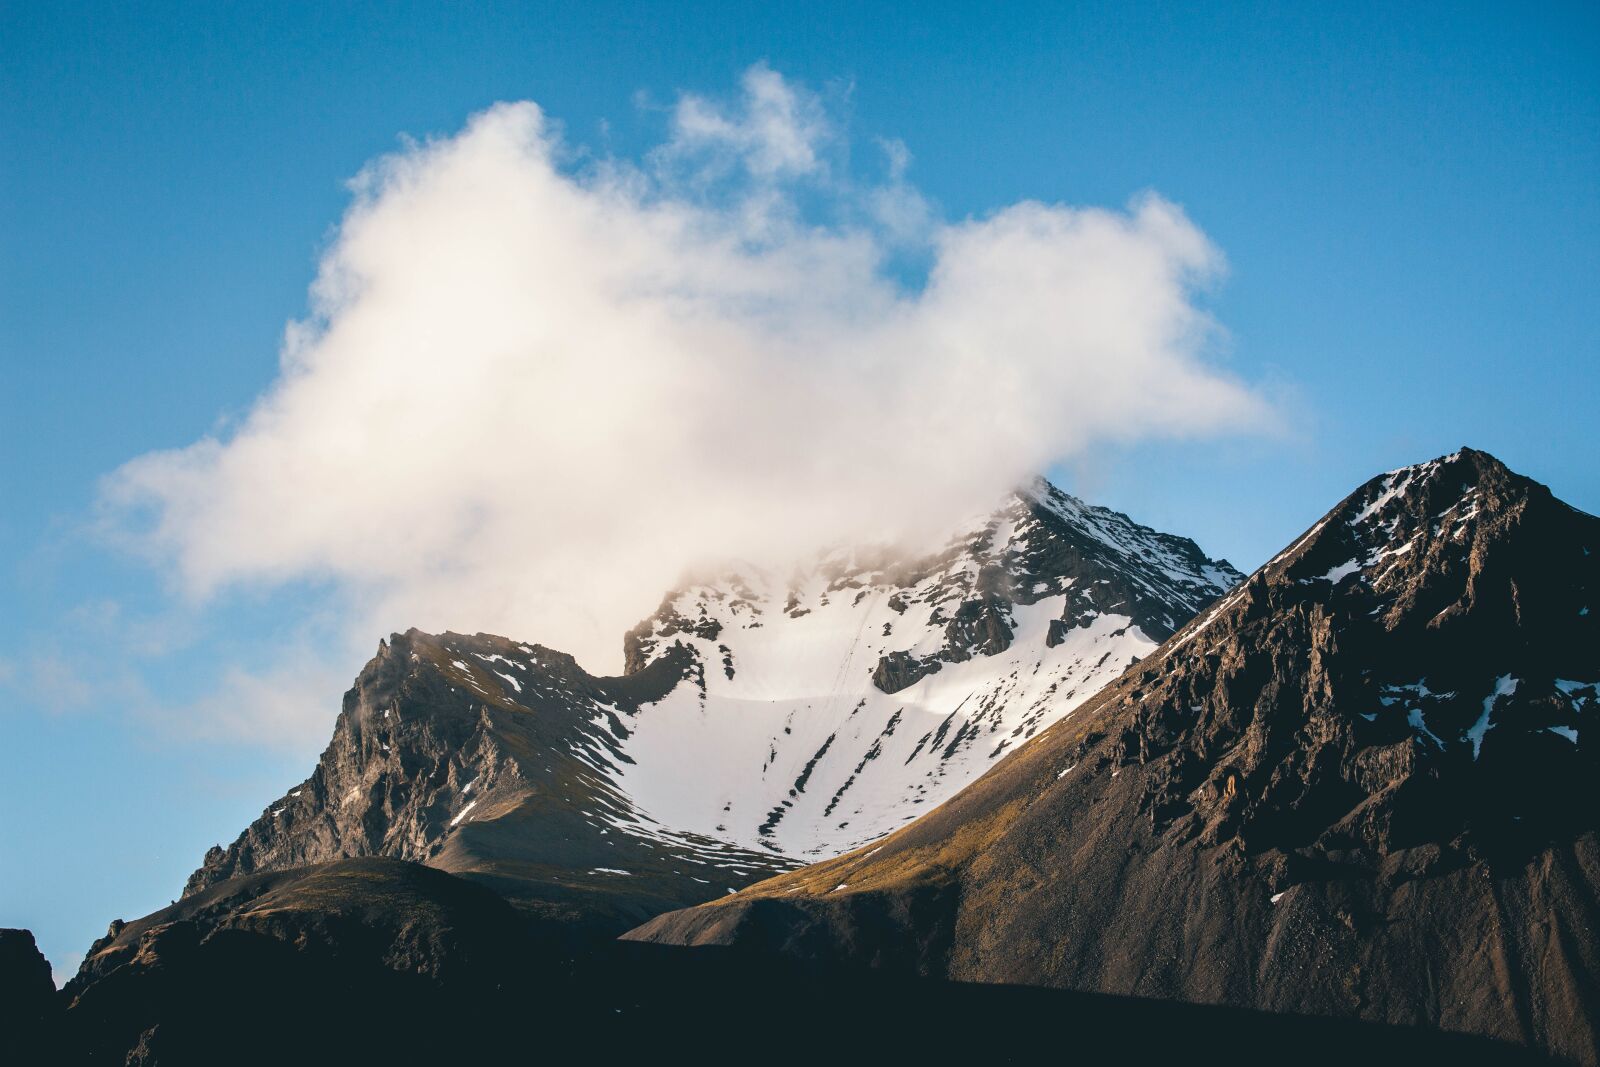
[{"x": 1407, "y": 197}]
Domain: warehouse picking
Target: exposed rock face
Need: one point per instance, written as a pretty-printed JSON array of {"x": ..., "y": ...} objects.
[
  {"x": 1362, "y": 784},
  {"x": 493, "y": 759}
]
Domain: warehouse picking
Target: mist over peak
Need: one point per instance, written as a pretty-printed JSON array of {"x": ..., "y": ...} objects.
[{"x": 535, "y": 385}]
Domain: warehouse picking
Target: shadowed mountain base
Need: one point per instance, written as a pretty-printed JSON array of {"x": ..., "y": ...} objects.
[{"x": 376, "y": 960}]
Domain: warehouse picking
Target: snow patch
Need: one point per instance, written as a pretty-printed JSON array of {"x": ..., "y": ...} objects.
[
  {"x": 1504, "y": 686},
  {"x": 1414, "y": 718},
  {"x": 1569, "y": 688},
  {"x": 1393, "y": 485},
  {"x": 1342, "y": 571}
]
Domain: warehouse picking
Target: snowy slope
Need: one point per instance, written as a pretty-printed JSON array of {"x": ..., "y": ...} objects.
[{"x": 832, "y": 705}]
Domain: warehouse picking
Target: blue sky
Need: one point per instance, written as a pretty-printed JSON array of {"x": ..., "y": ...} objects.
[{"x": 1408, "y": 202}]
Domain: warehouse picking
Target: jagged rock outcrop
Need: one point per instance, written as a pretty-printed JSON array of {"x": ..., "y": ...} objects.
[
  {"x": 29, "y": 1006},
  {"x": 25, "y": 983},
  {"x": 491, "y": 759},
  {"x": 1363, "y": 784}
]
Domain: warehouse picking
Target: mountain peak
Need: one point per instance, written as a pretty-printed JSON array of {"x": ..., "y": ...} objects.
[
  {"x": 1387, "y": 512},
  {"x": 1371, "y": 763},
  {"x": 1462, "y": 590},
  {"x": 493, "y": 759},
  {"x": 875, "y": 682}
]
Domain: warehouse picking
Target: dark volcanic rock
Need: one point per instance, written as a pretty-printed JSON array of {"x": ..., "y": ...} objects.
[
  {"x": 315, "y": 947},
  {"x": 1046, "y": 542},
  {"x": 901, "y": 670},
  {"x": 29, "y": 1006},
  {"x": 380, "y": 961},
  {"x": 25, "y": 982},
  {"x": 488, "y": 758},
  {"x": 1361, "y": 785}
]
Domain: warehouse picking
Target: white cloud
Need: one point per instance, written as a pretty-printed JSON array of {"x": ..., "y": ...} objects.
[
  {"x": 61, "y": 684},
  {"x": 897, "y": 206},
  {"x": 529, "y": 395},
  {"x": 777, "y": 131},
  {"x": 290, "y": 704}
]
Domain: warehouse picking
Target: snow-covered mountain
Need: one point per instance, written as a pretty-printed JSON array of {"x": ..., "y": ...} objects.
[
  {"x": 829, "y": 706},
  {"x": 762, "y": 721}
]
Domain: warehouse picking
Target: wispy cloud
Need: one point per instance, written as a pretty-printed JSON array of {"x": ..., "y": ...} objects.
[
  {"x": 773, "y": 131},
  {"x": 530, "y": 392},
  {"x": 288, "y": 704}
]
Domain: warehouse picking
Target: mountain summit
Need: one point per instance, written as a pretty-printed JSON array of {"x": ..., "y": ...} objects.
[
  {"x": 830, "y": 706},
  {"x": 1361, "y": 784},
  {"x": 762, "y": 719}
]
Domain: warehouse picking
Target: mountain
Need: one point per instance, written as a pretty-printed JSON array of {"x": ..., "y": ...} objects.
[
  {"x": 494, "y": 760},
  {"x": 29, "y": 995},
  {"x": 760, "y": 720},
  {"x": 1363, "y": 784},
  {"x": 837, "y": 703},
  {"x": 376, "y": 960}
]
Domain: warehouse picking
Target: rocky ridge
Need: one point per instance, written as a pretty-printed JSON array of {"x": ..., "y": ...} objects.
[
  {"x": 1362, "y": 784},
  {"x": 759, "y": 719},
  {"x": 492, "y": 759}
]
